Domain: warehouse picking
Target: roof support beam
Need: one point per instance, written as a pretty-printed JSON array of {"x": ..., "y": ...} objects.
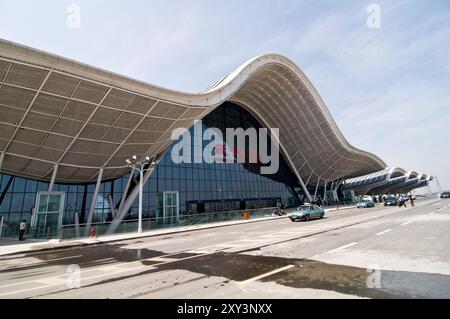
[
  {"x": 309, "y": 178},
  {"x": 305, "y": 189},
  {"x": 129, "y": 202},
  {"x": 317, "y": 187},
  {"x": 94, "y": 200},
  {"x": 125, "y": 191},
  {"x": 2, "y": 159},
  {"x": 52, "y": 181}
]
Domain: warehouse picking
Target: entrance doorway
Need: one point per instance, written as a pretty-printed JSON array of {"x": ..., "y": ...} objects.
[
  {"x": 47, "y": 218},
  {"x": 169, "y": 207}
]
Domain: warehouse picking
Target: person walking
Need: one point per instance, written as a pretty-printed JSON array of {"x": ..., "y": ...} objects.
[
  {"x": 22, "y": 229},
  {"x": 401, "y": 202},
  {"x": 411, "y": 200}
]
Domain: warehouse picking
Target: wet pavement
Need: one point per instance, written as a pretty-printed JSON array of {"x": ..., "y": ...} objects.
[{"x": 209, "y": 264}]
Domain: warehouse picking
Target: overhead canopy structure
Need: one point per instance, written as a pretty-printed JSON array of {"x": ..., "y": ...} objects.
[
  {"x": 68, "y": 120},
  {"x": 413, "y": 182},
  {"x": 390, "y": 180}
]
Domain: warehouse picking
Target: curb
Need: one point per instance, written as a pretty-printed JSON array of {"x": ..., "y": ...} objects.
[
  {"x": 60, "y": 245},
  {"x": 104, "y": 240}
]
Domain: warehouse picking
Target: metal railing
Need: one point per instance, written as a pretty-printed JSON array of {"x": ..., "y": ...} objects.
[{"x": 128, "y": 226}]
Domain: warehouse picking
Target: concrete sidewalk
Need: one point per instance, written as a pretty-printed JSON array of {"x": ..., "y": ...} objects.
[{"x": 9, "y": 246}]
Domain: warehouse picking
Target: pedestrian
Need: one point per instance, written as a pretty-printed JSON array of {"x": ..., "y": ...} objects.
[
  {"x": 411, "y": 200},
  {"x": 22, "y": 229},
  {"x": 401, "y": 202},
  {"x": 274, "y": 212}
]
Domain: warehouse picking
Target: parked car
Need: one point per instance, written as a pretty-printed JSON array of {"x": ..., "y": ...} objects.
[
  {"x": 365, "y": 204},
  {"x": 445, "y": 195},
  {"x": 307, "y": 212},
  {"x": 391, "y": 201}
]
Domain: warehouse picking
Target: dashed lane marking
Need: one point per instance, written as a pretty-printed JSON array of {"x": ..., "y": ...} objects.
[
  {"x": 162, "y": 259},
  {"x": 342, "y": 247},
  {"x": 384, "y": 232}
]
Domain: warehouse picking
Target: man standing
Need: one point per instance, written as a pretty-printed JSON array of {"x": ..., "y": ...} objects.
[
  {"x": 22, "y": 228},
  {"x": 411, "y": 200}
]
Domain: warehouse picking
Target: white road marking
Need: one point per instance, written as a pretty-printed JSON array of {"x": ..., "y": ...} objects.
[
  {"x": 266, "y": 274},
  {"x": 248, "y": 240},
  {"x": 384, "y": 232},
  {"x": 407, "y": 223},
  {"x": 198, "y": 251},
  {"x": 36, "y": 263},
  {"x": 343, "y": 247},
  {"x": 162, "y": 259}
]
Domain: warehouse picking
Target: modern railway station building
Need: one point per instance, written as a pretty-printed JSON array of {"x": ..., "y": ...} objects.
[{"x": 67, "y": 129}]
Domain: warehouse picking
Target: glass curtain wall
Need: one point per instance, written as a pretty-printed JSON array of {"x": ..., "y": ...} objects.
[{"x": 202, "y": 187}]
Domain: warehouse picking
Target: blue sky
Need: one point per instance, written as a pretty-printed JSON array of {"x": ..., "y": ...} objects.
[{"x": 387, "y": 88}]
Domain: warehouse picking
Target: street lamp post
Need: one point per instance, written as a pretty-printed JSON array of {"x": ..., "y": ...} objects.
[{"x": 140, "y": 166}]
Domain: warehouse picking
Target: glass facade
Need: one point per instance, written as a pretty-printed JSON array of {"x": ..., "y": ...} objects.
[{"x": 201, "y": 187}]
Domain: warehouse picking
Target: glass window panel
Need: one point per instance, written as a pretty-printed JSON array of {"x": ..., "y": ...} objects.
[
  {"x": 19, "y": 184},
  {"x": 31, "y": 186},
  {"x": 43, "y": 203},
  {"x": 29, "y": 201},
  {"x": 16, "y": 202},
  {"x": 54, "y": 203},
  {"x": 107, "y": 187},
  {"x": 5, "y": 206}
]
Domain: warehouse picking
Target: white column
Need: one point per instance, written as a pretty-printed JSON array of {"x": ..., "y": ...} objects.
[
  {"x": 317, "y": 187},
  {"x": 52, "y": 181},
  {"x": 141, "y": 190},
  {"x": 128, "y": 203},
  {"x": 2, "y": 158},
  {"x": 309, "y": 178},
  {"x": 125, "y": 191},
  {"x": 94, "y": 200}
]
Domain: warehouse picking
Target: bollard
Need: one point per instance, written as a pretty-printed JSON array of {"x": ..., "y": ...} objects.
[{"x": 92, "y": 232}]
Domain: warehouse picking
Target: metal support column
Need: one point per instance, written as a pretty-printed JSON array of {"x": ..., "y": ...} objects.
[
  {"x": 302, "y": 184},
  {"x": 128, "y": 203},
  {"x": 52, "y": 181},
  {"x": 94, "y": 200},
  {"x": 325, "y": 192},
  {"x": 2, "y": 159},
  {"x": 125, "y": 192},
  {"x": 309, "y": 178},
  {"x": 317, "y": 187}
]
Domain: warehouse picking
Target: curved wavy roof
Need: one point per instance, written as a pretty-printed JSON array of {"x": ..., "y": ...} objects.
[
  {"x": 374, "y": 180},
  {"x": 389, "y": 180},
  {"x": 58, "y": 111}
]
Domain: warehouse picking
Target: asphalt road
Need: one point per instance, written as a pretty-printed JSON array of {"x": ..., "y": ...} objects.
[{"x": 382, "y": 252}]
